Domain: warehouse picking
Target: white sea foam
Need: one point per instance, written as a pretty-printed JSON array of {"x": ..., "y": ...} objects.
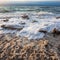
[{"x": 37, "y": 21}]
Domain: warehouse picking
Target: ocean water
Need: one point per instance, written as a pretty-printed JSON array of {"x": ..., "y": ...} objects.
[
  {"x": 6, "y": 9},
  {"x": 14, "y": 11},
  {"x": 41, "y": 18}
]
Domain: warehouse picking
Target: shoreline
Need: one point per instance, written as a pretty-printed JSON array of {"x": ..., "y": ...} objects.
[
  {"x": 29, "y": 33},
  {"x": 13, "y": 47}
]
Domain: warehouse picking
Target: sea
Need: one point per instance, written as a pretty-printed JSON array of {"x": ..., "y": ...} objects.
[
  {"x": 40, "y": 17},
  {"x": 7, "y": 9},
  {"x": 14, "y": 10}
]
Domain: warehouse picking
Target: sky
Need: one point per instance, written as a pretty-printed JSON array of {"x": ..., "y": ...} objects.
[{"x": 7, "y": 1}]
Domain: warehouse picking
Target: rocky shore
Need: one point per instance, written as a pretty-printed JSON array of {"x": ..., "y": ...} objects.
[{"x": 13, "y": 47}]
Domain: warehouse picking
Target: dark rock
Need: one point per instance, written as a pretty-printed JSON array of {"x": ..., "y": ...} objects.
[
  {"x": 43, "y": 31},
  {"x": 34, "y": 21},
  {"x": 22, "y": 23},
  {"x": 5, "y": 20},
  {"x": 25, "y": 16},
  {"x": 15, "y": 27},
  {"x": 55, "y": 32},
  {"x": 58, "y": 17}
]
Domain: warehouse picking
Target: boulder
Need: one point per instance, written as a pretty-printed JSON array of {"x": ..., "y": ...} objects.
[
  {"x": 58, "y": 17},
  {"x": 5, "y": 20},
  {"x": 55, "y": 32},
  {"x": 43, "y": 31},
  {"x": 25, "y": 16},
  {"x": 12, "y": 27}
]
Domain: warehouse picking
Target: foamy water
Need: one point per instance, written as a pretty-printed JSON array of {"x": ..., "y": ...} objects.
[{"x": 38, "y": 20}]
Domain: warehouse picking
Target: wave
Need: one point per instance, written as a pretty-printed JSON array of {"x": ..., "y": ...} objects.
[
  {"x": 33, "y": 21},
  {"x": 5, "y": 9}
]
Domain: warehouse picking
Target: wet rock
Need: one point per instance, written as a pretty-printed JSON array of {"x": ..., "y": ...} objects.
[
  {"x": 58, "y": 17},
  {"x": 34, "y": 21},
  {"x": 6, "y": 20},
  {"x": 25, "y": 16},
  {"x": 55, "y": 32},
  {"x": 12, "y": 27},
  {"x": 22, "y": 23},
  {"x": 43, "y": 31}
]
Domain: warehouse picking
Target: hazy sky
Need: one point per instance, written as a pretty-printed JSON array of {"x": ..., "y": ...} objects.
[{"x": 5, "y": 1}]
